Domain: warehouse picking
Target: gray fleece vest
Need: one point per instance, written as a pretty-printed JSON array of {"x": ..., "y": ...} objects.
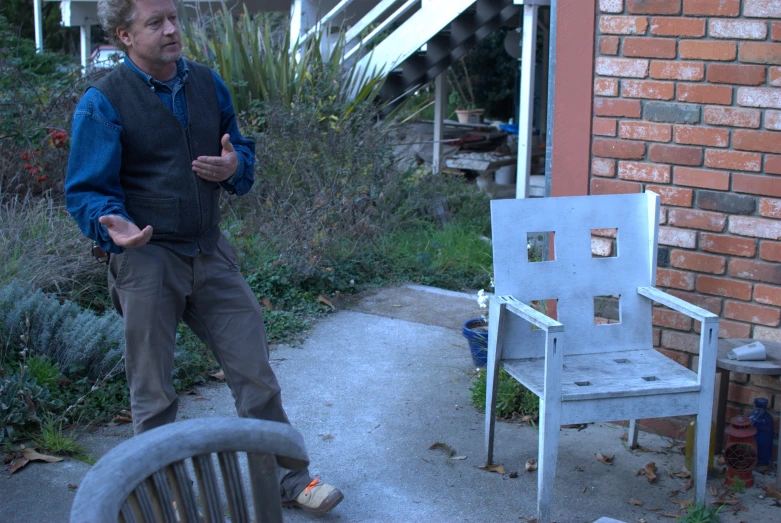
[{"x": 156, "y": 174}]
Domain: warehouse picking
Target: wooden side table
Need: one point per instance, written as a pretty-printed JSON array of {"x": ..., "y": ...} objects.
[{"x": 771, "y": 367}]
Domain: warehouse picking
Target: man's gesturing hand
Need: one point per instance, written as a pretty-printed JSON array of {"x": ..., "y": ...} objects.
[
  {"x": 218, "y": 168},
  {"x": 125, "y": 233}
]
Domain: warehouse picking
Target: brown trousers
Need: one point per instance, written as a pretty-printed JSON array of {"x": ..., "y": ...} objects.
[{"x": 153, "y": 288}]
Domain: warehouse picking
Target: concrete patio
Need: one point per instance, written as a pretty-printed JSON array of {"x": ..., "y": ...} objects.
[{"x": 371, "y": 388}]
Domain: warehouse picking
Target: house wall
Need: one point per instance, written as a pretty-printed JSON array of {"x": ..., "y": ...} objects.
[{"x": 687, "y": 103}]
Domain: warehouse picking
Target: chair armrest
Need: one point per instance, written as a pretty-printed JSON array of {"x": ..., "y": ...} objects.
[
  {"x": 677, "y": 304},
  {"x": 531, "y": 315}
]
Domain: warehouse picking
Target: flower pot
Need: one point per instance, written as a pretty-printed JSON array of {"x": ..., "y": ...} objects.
[
  {"x": 476, "y": 333},
  {"x": 470, "y": 115}
]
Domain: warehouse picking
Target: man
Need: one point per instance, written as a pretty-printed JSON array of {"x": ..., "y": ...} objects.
[{"x": 153, "y": 142}]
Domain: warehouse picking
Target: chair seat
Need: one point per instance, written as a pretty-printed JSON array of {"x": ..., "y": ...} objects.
[{"x": 608, "y": 375}]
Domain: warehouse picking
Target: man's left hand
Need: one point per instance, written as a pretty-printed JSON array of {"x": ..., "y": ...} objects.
[{"x": 218, "y": 168}]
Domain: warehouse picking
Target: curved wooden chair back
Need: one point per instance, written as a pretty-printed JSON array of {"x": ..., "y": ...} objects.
[{"x": 146, "y": 478}]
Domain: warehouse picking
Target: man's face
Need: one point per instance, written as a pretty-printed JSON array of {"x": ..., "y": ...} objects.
[{"x": 153, "y": 40}]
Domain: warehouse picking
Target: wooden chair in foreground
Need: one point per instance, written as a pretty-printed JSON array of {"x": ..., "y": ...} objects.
[
  {"x": 583, "y": 368},
  {"x": 146, "y": 478}
]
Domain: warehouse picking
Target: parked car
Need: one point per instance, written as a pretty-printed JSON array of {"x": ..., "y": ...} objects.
[{"x": 105, "y": 57}]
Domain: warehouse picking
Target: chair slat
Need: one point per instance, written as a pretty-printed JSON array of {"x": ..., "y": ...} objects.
[
  {"x": 231, "y": 476},
  {"x": 163, "y": 498},
  {"x": 186, "y": 503},
  {"x": 207, "y": 484},
  {"x": 126, "y": 513},
  {"x": 144, "y": 502},
  {"x": 265, "y": 488}
]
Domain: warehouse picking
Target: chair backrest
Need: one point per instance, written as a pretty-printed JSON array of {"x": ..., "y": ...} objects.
[
  {"x": 146, "y": 478},
  {"x": 574, "y": 278}
]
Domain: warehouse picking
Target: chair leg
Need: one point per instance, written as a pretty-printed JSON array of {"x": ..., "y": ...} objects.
[
  {"x": 550, "y": 421},
  {"x": 701, "y": 453},
  {"x": 633, "y": 430},
  {"x": 496, "y": 319}
]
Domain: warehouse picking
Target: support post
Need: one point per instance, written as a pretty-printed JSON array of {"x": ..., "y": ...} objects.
[
  {"x": 85, "y": 41},
  {"x": 38, "y": 21},
  {"x": 525, "y": 118},
  {"x": 440, "y": 112},
  {"x": 544, "y": 75}
]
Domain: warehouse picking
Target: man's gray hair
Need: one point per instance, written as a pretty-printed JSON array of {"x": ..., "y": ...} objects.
[{"x": 114, "y": 14}]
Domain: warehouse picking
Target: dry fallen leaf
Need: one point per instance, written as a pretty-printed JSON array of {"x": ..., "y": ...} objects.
[
  {"x": 673, "y": 493},
  {"x": 326, "y": 437},
  {"x": 714, "y": 491},
  {"x": 219, "y": 375},
  {"x": 772, "y": 493},
  {"x": 118, "y": 418},
  {"x": 649, "y": 471},
  {"x": 531, "y": 520},
  {"x": 636, "y": 502},
  {"x": 325, "y": 301},
  {"x": 460, "y": 458},
  {"x": 720, "y": 502},
  {"x": 689, "y": 484},
  {"x": 513, "y": 474},
  {"x": 607, "y": 460},
  {"x": 494, "y": 468},
  {"x": 655, "y": 509},
  {"x": 17, "y": 463},
  {"x": 625, "y": 436},
  {"x": 72, "y": 486},
  {"x": 682, "y": 474},
  {"x": 450, "y": 451},
  {"x": 267, "y": 304},
  {"x": 670, "y": 515},
  {"x": 531, "y": 465},
  {"x": 683, "y": 503},
  {"x": 29, "y": 455}
]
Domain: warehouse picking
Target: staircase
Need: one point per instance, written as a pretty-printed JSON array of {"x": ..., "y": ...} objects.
[{"x": 420, "y": 38}]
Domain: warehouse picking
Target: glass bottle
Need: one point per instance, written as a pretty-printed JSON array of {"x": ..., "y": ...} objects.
[{"x": 763, "y": 422}]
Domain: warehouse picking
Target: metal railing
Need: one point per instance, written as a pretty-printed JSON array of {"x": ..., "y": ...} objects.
[{"x": 381, "y": 16}]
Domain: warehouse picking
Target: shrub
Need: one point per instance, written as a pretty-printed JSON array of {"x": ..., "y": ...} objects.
[
  {"x": 23, "y": 403},
  {"x": 78, "y": 340},
  {"x": 40, "y": 244},
  {"x": 38, "y": 92}
]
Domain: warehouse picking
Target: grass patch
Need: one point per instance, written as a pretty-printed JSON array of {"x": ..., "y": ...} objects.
[
  {"x": 53, "y": 439},
  {"x": 512, "y": 398}
]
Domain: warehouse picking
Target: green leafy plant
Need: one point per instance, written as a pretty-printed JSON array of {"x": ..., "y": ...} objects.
[
  {"x": 738, "y": 485},
  {"x": 699, "y": 513},
  {"x": 43, "y": 371},
  {"x": 461, "y": 93},
  {"x": 23, "y": 403},
  {"x": 511, "y": 398}
]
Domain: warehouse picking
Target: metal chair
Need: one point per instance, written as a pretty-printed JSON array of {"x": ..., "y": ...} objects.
[
  {"x": 146, "y": 478},
  {"x": 585, "y": 368}
]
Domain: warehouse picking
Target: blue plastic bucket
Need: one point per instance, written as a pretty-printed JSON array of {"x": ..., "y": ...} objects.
[{"x": 476, "y": 333}]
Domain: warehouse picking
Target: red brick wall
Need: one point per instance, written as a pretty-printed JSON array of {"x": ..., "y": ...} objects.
[{"x": 687, "y": 103}]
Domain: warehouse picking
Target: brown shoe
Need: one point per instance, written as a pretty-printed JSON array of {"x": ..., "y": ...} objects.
[{"x": 317, "y": 498}]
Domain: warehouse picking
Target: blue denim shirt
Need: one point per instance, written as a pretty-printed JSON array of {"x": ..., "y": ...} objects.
[{"x": 92, "y": 187}]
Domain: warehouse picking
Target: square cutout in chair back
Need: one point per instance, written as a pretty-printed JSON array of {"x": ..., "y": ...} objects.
[
  {"x": 607, "y": 310},
  {"x": 539, "y": 245},
  {"x": 604, "y": 243}
]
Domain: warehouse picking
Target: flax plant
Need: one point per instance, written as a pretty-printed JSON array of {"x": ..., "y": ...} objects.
[{"x": 260, "y": 68}]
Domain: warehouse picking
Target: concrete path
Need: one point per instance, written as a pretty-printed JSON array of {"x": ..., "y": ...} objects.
[{"x": 371, "y": 388}]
